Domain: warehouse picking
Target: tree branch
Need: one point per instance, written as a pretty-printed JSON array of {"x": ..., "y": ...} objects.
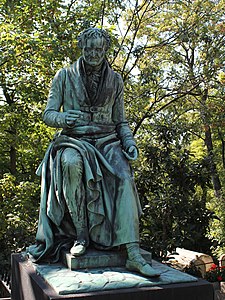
[{"x": 147, "y": 115}]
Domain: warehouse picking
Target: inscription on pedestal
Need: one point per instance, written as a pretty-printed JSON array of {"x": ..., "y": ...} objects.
[{"x": 99, "y": 259}]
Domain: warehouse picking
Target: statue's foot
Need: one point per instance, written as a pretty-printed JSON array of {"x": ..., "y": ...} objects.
[
  {"x": 78, "y": 248},
  {"x": 141, "y": 266}
]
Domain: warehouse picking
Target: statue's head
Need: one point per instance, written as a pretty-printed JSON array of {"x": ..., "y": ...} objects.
[{"x": 94, "y": 43}]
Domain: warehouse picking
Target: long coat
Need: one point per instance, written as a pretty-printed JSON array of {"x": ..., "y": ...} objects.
[{"x": 112, "y": 202}]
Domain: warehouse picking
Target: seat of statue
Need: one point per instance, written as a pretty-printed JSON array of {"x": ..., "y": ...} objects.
[{"x": 99, "y": 259}]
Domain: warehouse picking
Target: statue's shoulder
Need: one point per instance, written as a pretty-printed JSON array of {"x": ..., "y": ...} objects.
[
  {"x": 74, "y": 68},
  {"x": 117, "y": 77},
  {"x": 65, "y": 72},
  {"x": 60, "y": 74}
]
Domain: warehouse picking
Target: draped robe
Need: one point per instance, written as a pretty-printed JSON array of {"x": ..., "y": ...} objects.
[{"x": 101, "y": 137}]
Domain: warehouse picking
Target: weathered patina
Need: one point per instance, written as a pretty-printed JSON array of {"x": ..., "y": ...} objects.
[{"x": 88, "y": 192}]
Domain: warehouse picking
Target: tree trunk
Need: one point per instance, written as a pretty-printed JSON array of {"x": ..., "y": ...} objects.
[
  {"x": 215, "y": 177},
  {"x": 12, "y": 152},
  {"x": 209, "y": 145},
  {"x": 13, "y": 160}
]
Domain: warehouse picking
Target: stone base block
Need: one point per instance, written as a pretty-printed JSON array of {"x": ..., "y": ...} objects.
[
  {"x": 28, "y": 285},
  {"x": 101, "y": 259}
]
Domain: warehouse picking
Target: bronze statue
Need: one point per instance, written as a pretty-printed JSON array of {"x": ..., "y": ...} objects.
[{"x": 88, "y": 191}]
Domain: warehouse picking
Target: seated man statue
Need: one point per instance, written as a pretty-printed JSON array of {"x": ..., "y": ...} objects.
[{"x": 88, "y": 195}]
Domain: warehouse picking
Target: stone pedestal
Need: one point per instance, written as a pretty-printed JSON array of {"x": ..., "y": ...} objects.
[
  {"x": 102, "y": 259},
  {"x": 27, "y": 284}
]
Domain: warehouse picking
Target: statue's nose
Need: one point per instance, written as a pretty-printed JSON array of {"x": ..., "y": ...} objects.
[{"x": 93, "y": 52}]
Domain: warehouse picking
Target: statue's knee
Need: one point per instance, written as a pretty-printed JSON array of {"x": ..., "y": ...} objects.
[{"x": 72, "y": 159}]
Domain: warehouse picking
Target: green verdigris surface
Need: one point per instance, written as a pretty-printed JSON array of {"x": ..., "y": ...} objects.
[
  {"x": 106, "y": 278},
  {"x": 88, "y": 192}
]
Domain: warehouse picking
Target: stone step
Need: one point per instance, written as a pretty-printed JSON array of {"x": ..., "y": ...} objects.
[{"x": 97, "y": 259}]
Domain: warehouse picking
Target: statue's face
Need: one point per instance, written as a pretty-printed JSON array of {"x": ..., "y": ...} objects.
[{"x": 94, "y": 51}]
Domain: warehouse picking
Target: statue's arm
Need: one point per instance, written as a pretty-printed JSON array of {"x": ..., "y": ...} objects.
[
  {"x": 52, "y": 115},
  {"x": 123, "y": 130}
]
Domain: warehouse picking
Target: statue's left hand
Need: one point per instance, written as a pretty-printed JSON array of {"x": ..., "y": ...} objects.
[{"x": 131, "y": 153}]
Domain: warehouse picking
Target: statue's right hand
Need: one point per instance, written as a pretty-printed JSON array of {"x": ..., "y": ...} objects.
[{"x": 72, "y": 116}]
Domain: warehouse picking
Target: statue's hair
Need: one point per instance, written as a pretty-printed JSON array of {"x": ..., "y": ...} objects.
[{"x": 93, "y": 33}]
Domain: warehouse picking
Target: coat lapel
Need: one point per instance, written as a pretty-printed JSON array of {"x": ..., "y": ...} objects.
[
  {"x": 105, "y": 88},
  {"x": 78, "y": 83}
]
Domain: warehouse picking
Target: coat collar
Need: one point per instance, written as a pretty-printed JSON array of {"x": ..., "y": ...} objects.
[{"x": 79, "y": 70}]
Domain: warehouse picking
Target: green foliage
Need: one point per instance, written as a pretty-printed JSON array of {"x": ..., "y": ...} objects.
[
  {"x": 173, "y": 187},
  {"x": 179, "y": 76},
  {"x": 37, "y": 39},
  {"x": 171, "y": 56},
  {"x": 18, "y": 216},
  {"x": 217, "y": 227}
]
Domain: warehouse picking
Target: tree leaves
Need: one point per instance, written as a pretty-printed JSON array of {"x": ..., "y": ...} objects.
[{"x": 171, "y": 57}]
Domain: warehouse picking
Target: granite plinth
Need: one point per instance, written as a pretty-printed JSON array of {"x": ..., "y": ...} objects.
[
  {"x": 101, "y": 259},
  {"x": 28, "y": 285}
]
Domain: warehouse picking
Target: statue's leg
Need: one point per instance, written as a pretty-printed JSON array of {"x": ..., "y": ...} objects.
[
  {"x": 74, "y": 194},
  {"x": 127, "y": 228},
  {"x": 136, "y": 262}
]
